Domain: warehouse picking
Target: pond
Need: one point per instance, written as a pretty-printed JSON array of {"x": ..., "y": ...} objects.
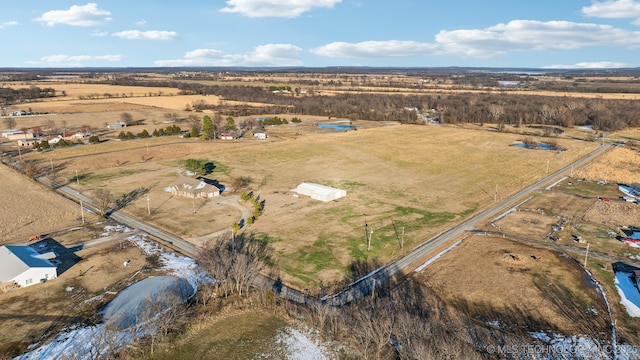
[
  {"x": 143, "y": 298},
  {"x": 539, "y": 146},
  {"x": 337, "y": 127}
]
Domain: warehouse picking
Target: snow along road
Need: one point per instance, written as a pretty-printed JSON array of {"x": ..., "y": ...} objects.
[{"x": 412, "y": 259}]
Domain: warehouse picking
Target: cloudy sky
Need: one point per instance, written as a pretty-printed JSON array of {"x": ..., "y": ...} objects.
[{"x": 319, "y": 33}]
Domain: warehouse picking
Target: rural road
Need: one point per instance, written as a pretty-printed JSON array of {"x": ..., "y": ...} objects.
[
  {"x": 412, "y": 259},
  {"x": 366, "y": 284}
]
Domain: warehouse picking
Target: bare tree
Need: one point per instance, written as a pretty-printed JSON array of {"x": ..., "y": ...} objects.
[
  {"x": 104, "y": 199},
  {"x": 51, "y": 126},
  {"x": 9, "y": 123},
  {"x": 126, "y": 118},
  {"x": 234, "y": 262},
  {"x": 31, "y": 169}
]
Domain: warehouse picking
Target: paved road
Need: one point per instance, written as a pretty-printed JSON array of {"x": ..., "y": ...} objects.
[{"x": 412, "y": 259}]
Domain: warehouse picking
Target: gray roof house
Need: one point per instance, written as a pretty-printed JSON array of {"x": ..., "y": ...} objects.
[
  {"x": 194, "y": 188},
  {"x": 24, "y": 266}
]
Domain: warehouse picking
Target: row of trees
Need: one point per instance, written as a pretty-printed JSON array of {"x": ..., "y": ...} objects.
[
  {"x": 10, "y": 96},
  {"x": 505, "y": 107}
]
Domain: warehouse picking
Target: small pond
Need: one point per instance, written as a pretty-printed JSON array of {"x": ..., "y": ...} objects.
[
  {"x": 539, "y": 146},
  {"x": 338, "y": 127},
  {"x": 139, "y": 299}
]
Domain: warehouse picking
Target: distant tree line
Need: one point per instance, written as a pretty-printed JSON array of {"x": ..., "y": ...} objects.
[
  {"x": 10, "y": 96},
  {"x": 500, "y": 108}
]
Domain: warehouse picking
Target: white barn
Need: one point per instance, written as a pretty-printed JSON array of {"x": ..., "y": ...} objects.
[
  {"x": 24, "y": 266},
  {"x": 319, "y": 192}
]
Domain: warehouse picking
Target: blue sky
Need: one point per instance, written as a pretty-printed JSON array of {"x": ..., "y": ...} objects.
[{"x": 319, "y": 33}]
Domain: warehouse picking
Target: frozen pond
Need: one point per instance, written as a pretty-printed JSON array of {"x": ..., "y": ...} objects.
[{"x": 147, "y": 295}]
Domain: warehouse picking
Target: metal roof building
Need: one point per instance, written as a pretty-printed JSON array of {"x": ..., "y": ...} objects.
[
  {"x": 24, "y": 266},
  {"x": 319, "y": 192}
]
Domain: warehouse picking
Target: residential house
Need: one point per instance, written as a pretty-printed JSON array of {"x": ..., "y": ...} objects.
[
  {"x": 226, "y": 136},
  {"x": 117, "y": 125},
  {"x": 27, "y": 142},
  {"x": 23, "y": 266},
  {"x": 194, "y": 188},
  {"x": 18, "y": 135}
]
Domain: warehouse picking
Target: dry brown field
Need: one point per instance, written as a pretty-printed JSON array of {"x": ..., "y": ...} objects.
[
  {"x": 618, "y": 165},
  {"x": 521, "y": 286},
  {"x": 28, "y": 209},
  {"x": 422, "y": 177}
]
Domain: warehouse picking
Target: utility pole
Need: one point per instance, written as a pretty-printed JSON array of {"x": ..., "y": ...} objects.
[
  {"x": 77, "y": 178},
  {"x": 547, "y": 166},
  {"x": 373, "y": 292},
  {"x": 585, "y": 256},
  {"x": 19, "y": 153},
  {"x": 82, "y": 211},
  {"x": 51, "y": 161},
  {"x": 495, "y": 195},
  {"x": 148, "y": 207},
  {"x": 402, "y": 239},
  {"x": 366, "y": 234}
]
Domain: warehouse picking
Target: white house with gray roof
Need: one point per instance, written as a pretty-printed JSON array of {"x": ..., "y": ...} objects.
[
  {"x": 24, "y": 266},
  {"x": 195, "y": 188}
]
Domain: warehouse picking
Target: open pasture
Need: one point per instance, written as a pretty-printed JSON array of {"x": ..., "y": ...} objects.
[
  {"x": 420, "y": 178},
  {"x": 518, "y": 286}
]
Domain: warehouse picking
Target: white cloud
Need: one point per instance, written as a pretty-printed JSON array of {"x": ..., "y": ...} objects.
[
  {"x": 531, "y": 35},
  {"x": 375, "y": 49},
  {"x": 7, "y": 24},
  {"x": 263, "y": 55},
  {"x": 592, "y": 65},
  {"x": 141, "y": 22},
  {"x": 498, "y": 40},
  {"x": 613, "y": 9},
  {"x": 147, "y": 35},
  {"x": 275, "y": 8},
  {"x": 85, "y": 15},
  {"x": 73, "y": 60},
  {"x": 98, "y": 33}
]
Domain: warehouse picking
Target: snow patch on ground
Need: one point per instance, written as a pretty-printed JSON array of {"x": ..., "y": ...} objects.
[
  {"x": 118, "y": 229},
  {"x": 571, "y": 347},
  {"x": 94, "y": 342},
  {"x": 515, "y": 208},
  {"x": 438, "y": 255},
  {"x": 629, "y": 295},
  {"x": 577, "y": 347},
  {"x": 300, "y": 346}
]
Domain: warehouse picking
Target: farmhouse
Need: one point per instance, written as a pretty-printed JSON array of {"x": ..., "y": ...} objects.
[
  {"x": 17, "y": 135},
  {"x": 117, "y": 125},
  {"x": 226, "y": 136},
  {"x": 27, "y": 142},
  {"x": 24, "y": 266},
  {"x": 319, "y": 192},
  {"x": 194, "y": 188},
  {"x": 260, "y": 135}
]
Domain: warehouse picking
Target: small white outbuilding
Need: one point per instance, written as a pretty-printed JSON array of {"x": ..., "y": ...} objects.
[
  {"x": 319, "y": 192},
  {"x": 24, "y": 266}
]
